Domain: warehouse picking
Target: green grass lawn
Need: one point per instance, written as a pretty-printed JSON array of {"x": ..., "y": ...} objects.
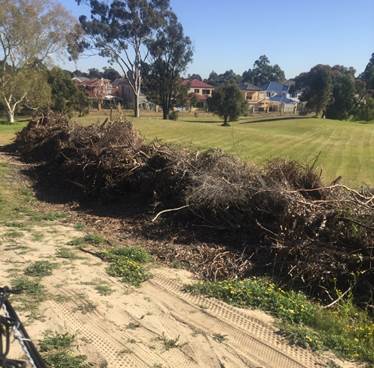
[{"x": 346, "y": 148}]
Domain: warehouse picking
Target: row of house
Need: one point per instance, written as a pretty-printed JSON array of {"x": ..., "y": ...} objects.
[
  {"x": 104, "y": 92},
  {"x": 272, "y": 97}
]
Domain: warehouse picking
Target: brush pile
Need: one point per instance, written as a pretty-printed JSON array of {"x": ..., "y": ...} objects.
[{"x": 318, "y": 237}]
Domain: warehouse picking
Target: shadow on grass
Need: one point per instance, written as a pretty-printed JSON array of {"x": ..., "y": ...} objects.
[
  {"x": 276, "y": 118},
  {"x": 202, "y": 121}
]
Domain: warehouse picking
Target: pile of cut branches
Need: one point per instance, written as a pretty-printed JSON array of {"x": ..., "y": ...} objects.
[{"x": 300, "y": 230}]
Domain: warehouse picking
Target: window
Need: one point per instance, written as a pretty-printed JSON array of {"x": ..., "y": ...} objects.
[
  {"x": 196, "y": 90},
  {"x": 206, "y": 91}
]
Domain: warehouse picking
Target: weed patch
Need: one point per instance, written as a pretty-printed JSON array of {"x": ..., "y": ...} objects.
[
  {"x": 129, "y": 271},
  {"x": 13, "y": 234},
  {"x": 127, "y": 263},
  {"x": 66, "y": 253},
  {"x": 170, "y": 343},
  {"x": 133, "y": 253},
  {"x": 48, "y": 216},
  {"x": 86, "y": 307},
  {"x": 31, "y": 294},
  {"x": 89, "y": 239},
  {"x": 346, "y": 330},
  {"x": 219, "y": 338},
  {"x": 58, "y": 351},
  {"x": 103, "y": 289},
  {"x": 40, "y": 269},
  {"x": 79, "y": 226}
]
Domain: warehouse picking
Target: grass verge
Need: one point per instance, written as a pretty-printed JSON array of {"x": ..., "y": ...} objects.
[{"x": 346, "y": 330}]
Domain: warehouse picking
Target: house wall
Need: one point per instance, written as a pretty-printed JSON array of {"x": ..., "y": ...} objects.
[
  {"x": 254, "y": 96},
  {"x": 201, "y": 91}
]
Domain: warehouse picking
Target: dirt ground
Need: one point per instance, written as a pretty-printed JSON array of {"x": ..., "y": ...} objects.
[{"x": 156, "y": 325}]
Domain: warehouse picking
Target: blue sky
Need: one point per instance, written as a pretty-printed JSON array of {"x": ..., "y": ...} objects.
[{"x": 296, "y": 34}]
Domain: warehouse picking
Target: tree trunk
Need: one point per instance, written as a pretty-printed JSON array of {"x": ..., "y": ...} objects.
[
  {"x": 165, "y": 110},
  {"x": 10, "y": 116},
  {"x": 10, "y": 111},
  {"x": 225, "y": 123},
  {"x": 136, "y": 105}
]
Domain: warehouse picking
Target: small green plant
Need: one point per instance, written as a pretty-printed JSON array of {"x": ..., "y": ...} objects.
[
  {"x": 15, "y": 224},
  {"x": 48, "y": 216},
  {"x": 66, "y": 253},
  {"x": 31, "y": 294},
  {"x": 37, "y": 236},
  {"x": 301, "y": 335},
  {"x": 170, "y": 343},
  {"x": 58, "y": 351},
  {"x": 13, "y": 234},
  {"x": 133, "y": 325},
  {"x": 86, "y": 307},
  {"x": 40, "y": 269},
  {"x": 78, "y": 226},
  {"x": 127, "y": 263},
  {"x": 219, "y": 338},
  {"x": 27, "y": 286},
  {"x": 133, "y": 253},
  {"x": 130, "y": 272},
  {"x": 103, "y": 289},
  {"x": 90, "y": 239},
  {"x": 56, "y": 341}
]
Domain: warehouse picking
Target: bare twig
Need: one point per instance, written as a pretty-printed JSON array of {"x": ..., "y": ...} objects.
[{"x": 169, "y": 210}]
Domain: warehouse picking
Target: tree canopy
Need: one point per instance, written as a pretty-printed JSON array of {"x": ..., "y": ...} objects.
[
  {"x": 30, "y": 31},
  {"x": 66, "y": 97},
  {"x": 170, "y": 52},
  {"x": 263, "y": 72},
  {"x": 220, "y": 79},
  {"x": 328, "y": 91},
  {"x": 343, "y": 97},
  {"x": 121, "y": 30},
  {"x": 195, "y": 76},
  {"x": 228, "y": 102},
  {"x": 368, "y": 74},
  {"x": 316, "y": 86}
]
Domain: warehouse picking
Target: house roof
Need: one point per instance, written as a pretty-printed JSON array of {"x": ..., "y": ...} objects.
[
  {"x": 195, "y": 83},
  {"x": 275, "y": 87},
  {"x": 249, "y": 87},
  {"x": 80, "y": 79},
  {"x": 91, "y": 82}
]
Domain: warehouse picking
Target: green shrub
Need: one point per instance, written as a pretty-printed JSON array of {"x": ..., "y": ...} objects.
[
  {"x": 173, "y": 115},
  {"x": 130, "y": 272}
]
